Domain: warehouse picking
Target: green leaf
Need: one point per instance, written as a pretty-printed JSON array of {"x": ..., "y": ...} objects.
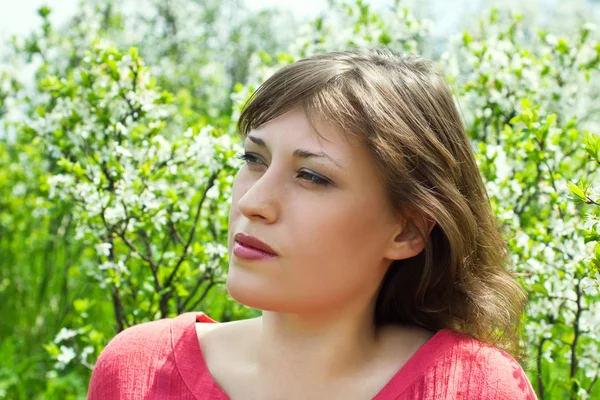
[
  {"x": 182, "y": 291},
  {"x": 52, "y": 349},
  {"x": 81, "y": 305},
  {"x": 591, "y": 235},
  {"x": 576, "y": 190},
  {"x": 78, "y": 170},
  {"x": 44, "y": 11},
  {"x": 550, "y": 120},
  {"x": 113, "y": 69},
  {"x": 597, "y": 251},
  {"x": 85, "y": 78},
  {"x": 562, "y": 46},
  {"x": 515, "y": 119},
  {"x": 319, "y": 24},
  {"x": 467, "y": 39},
  {"x": 385, "y": 39},
  {"x": 592, "y": 145},
  {"x": 133, "y": 52},
  {"x": 95, "y": 336},
  {"x": 197, "y": 248}
]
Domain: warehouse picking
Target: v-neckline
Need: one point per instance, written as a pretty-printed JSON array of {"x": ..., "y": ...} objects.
[{"x": 194, "y": 371}]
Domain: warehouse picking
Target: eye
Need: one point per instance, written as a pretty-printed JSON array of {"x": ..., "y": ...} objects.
[
  {"x": 314, "y": 179},
  {"x": 248, "y": 158}
]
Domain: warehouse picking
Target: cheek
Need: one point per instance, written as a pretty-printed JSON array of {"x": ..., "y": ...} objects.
[
  {"x": 341, "y": 246},
  {"x": 344, "y": 228}
]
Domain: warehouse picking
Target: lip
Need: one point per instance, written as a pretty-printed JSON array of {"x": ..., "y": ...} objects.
[
  {"x": 250, "y": 253},
  {"x": 251, "y": 242}
]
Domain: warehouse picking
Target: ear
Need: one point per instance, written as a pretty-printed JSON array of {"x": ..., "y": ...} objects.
[{"x": 407, "y": 242}]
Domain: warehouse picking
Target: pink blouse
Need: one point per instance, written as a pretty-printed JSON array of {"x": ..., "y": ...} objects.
[{"x": 163, "y": 360}]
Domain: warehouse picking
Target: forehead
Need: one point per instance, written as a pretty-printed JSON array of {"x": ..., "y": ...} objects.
[{"x": 293, "y": 130}]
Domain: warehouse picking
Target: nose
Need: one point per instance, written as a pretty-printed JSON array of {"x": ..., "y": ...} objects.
[{"x": 261, "y": 197}]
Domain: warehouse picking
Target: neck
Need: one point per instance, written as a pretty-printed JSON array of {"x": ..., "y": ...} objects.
[{"x": 329, "y": 345}]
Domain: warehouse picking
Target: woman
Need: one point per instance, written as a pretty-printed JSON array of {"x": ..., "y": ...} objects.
[{"x": 360, "y": 225}]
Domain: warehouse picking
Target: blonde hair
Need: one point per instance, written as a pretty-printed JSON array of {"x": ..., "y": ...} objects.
[{"x": 401, "y": 108}]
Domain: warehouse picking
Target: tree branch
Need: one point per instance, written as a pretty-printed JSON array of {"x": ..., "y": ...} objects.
[{"x": 193, "y": 230}]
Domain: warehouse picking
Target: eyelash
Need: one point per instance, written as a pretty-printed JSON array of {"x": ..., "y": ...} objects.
[{"x": 247, "y": 157}]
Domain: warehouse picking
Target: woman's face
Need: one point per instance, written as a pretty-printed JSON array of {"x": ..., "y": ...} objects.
[{"x": 332, "y": 240}]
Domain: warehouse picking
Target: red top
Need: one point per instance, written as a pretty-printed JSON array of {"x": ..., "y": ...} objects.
[{"x": 162, "y": 360}]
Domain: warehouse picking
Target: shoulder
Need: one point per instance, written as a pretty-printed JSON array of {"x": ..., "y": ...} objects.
[
  {"x": 136, "y": 340},
  {"x": 130, "y": 357},
  {"x": 477, "y": 367}
]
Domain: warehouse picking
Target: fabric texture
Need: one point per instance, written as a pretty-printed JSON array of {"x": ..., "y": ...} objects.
[{"x": 163, "y": 360}]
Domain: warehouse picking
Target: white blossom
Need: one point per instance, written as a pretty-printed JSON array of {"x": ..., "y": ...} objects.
[
  {"x": 103, "y": 249},
  {"x": 66, "y": 355},
  {"x": 65, "y": 334}
]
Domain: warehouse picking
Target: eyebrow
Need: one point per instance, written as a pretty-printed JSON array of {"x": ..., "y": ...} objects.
[{"x": 298, "y": 153}]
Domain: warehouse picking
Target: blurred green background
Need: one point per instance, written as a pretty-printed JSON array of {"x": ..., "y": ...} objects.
[{"x": 118, "y": 145}]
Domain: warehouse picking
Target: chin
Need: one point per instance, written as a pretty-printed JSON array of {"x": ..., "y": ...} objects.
[
  {"x": 253, "y": 294},
  {"x": 243, "y": 290}
]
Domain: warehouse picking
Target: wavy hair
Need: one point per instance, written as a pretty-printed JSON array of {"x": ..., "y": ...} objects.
[{"x": 401, "y": 107}]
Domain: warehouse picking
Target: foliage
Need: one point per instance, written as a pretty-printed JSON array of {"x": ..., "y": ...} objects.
[
  {"x": 138, "y": 197},
  {"x": 64, "y": 178},
  {"x": 530, "y": 94},
  {"x": 114, "y": 194}
]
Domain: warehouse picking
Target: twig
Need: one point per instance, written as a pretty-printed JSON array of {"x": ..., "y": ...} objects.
[{"x": 193, "y": 230}]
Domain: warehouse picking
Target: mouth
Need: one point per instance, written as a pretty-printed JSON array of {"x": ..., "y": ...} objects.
[
  {"x": 242, "y": 251},
  {"x": 253, "y": 248},
  {"x": 253, "y": 243}
]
